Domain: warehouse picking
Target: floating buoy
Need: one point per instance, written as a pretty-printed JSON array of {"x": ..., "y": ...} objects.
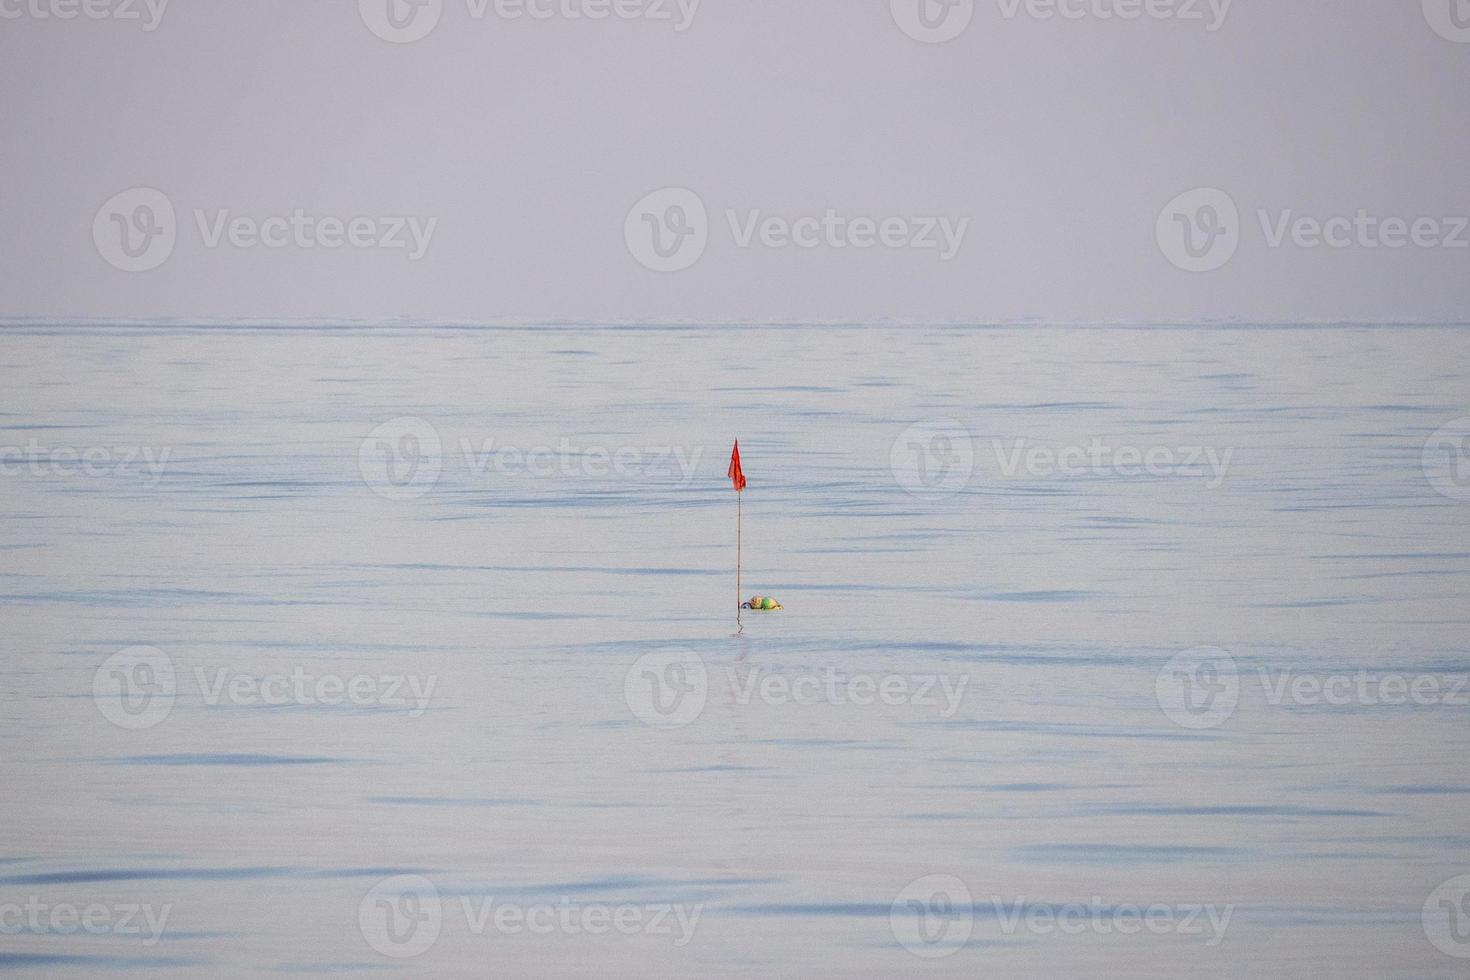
[{"x": 762, "y": 603}]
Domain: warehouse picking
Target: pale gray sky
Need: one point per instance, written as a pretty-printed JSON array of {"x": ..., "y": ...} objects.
[{"x": 1048, "y": 147}]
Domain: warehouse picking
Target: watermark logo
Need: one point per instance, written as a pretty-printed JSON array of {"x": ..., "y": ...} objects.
[
  {"x": 401, "y": 21},
  {"x": 407, "y": 21},
  {"x": 404, "y": 458},
  {"x": 1446, "y": 460},
  {"x": 1199, "y": 231},
  {"x": 1449, "y": 18},
  {"x": 148, "y": 12},
  {"x": 1199, "y": 688},
  {"x": 933, "y": 916},
  {"x": 668, "y": 230},
  {"x": 679, "y": 13},
  {"x": 932, "y": 21},
  {"x": 135, "y": 688},
  {"x": 1446, "y": 917},
  {"x": 1202, "y": 688},
  {"x": 401, "y": 459},
  {"x": 933, "y": 457},
  {"x": 401, "y": 916},
  {"x": 667, "y": 689},
  {"x": 136, "y": 230},
  {"x": 139, "y": 687}
]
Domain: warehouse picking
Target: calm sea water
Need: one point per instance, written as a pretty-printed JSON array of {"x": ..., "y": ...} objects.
[{"x": 414, "y": 651}]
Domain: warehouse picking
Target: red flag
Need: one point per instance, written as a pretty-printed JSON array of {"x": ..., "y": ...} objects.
[{"x": 736, "y": 475}]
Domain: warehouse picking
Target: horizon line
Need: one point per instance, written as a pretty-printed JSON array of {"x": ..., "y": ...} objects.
[{"x": 504, "y": 323}]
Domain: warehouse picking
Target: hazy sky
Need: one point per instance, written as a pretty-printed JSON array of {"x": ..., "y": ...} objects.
[{"x": 1036, "y": 154}]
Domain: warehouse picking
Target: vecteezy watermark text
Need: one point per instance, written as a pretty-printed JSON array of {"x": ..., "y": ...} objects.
[
  {"x": 934, "y": 916},
  {"x": 1201, "y": 230},
  {"x": 1363, "y": 230},
  {"x": 670, "y": 688},
  {"x": 137, "y": 230},
  {"x": 1104, "y": 919},
  {"x": 407, "y": 21},
  {"x": 148, "y": 13},
  {"x": 1364, "y": 688},
  {"x": 306, "y": 688},
  {"x": 36, "y": 459},
  {"x": 403, "y": 917},
  {"x": 404, "y": 457},
  {"x": 1201, "y": 688},
  {"x": 138, "y": 687},
  {"x": 1210, "y": 13},
  {"x": 938, "y": 457},
  {"x": 37, "y": 917},
  {"x": 829, "y": 685},
  {"x": 302, "y": 230},
  {"x": 1100, "y": 458},
  {"x": 937, "y": 21},
  {"x": 669, "y": 230},
  {"x": 838, "y": 231}
]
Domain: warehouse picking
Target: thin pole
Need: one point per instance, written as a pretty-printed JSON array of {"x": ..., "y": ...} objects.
[{"x": 739, "y": 520}]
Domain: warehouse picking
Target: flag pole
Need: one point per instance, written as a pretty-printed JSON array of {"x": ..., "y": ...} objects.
[
  {"x": 737, "y": 480},
  {"x": 739, "y": 520}
]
